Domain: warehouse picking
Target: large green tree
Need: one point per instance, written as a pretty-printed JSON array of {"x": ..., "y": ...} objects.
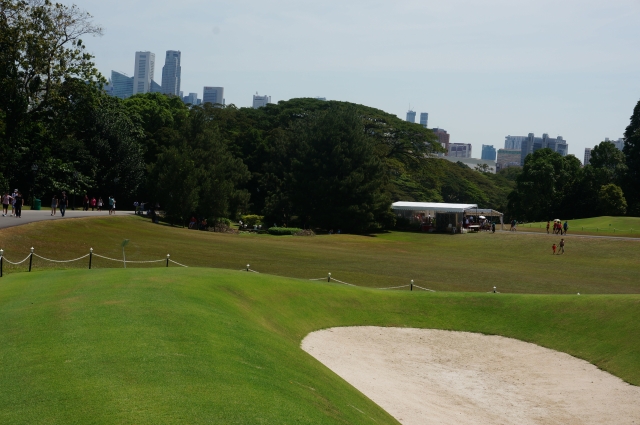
[
  {"x": 337, "y": 180},
  {"x": 632, "y": 154},
  {"x": 543, "y": 189}
]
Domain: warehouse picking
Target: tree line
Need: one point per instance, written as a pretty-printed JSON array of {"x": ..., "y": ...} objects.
[{"x": 302, "y": 162}]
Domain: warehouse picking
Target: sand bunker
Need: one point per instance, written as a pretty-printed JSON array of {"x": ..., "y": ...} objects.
[{"x": 424, "y": 376}]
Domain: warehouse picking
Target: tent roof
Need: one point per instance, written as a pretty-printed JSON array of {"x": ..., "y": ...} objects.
[
  {"x": 431, "y": 206},
  {"x": 483, "y": 211}
]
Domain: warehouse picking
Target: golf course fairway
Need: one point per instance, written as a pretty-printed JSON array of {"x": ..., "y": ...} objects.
[{"x": 196, "y": 345}]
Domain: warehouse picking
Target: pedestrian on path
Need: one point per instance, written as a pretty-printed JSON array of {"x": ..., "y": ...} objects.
[
  {"x": 54, "y": 204},
  {"x": 111, "y": 204},
  {"x": 93, "y": 203},
  {"x": 64, "y": 203},
  {"x": 100, "y": 204},
  {"x": 6, "y": 200},
  {"x": 13, "y": 202},
  {"x": 547, "y": 227},
  {"x": 85, "y": 202},
  {"x": 19, "y": 203},
  {"x": 561, "y": 246},
  {"x": 566, "y": 227}
]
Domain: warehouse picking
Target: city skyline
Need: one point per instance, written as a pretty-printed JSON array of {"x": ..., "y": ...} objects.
[{"x": 487, "y": 70}]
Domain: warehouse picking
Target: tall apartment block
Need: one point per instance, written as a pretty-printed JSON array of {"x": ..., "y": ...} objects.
[
  {"x": 191, "y": 99},
  {"x": 443, "y": 137},
  {"x": 213, "y": 95},
  {"x": 460, "y": 150},
  {"x": 514, "y": 142},
  {"x": 143, "y": 72},
  {"x": 488, "y": 152},
  {"x": 122, "y": 85},
  {"x": 532, "y": 144},
  {"x": 411, "y": 116},
  {"x": 260, "y": 101},
  {"x": 619, "y": 144},
  {"x": 424, "y": 119},
  {"x": 171, "y": 73},
  {"x": 587, "y": 156}
]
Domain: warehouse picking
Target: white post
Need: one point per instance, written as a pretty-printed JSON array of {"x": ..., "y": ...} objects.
[{"x": 247, "y": 267}]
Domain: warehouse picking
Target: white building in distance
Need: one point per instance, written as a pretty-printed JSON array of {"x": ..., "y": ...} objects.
[
  {"x": 213, "y": 95},
  {"x": 460, "y": 150},
  {"x": 260, "y": 101},
  {"x": 587, "y": 156},
  {"x": 143, "y": 72}
]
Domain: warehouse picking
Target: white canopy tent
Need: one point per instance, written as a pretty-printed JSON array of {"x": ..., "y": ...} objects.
[{"x": 431, "y": 206}]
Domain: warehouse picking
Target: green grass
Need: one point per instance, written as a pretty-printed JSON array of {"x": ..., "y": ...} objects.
[
  {"x": 472, "y": 262},
  {"x": 160, "y": 346},
  {"x": 604, "y": 226}
]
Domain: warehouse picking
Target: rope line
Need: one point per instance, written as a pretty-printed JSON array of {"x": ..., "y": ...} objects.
[
  {"x": 321, "y": 278},
  {"x": 344, "y": 283},
  {"x": 20, "y": 262},
  {"x": 175, "y": 262},
  {"x": 430, "y": 290},
  {"x": 61, "y": 261},
  {"x": 107, "y": 258},
  {"x": 395, "y": 287}
]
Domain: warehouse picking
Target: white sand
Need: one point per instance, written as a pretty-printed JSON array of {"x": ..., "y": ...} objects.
[{"x": 424, "y": 376}]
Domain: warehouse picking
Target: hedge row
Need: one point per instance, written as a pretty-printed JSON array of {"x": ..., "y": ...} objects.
[{"x": 280, "y": 231}]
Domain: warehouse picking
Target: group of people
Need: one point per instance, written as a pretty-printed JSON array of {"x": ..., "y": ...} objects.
[
  {"x": 202, "y": 225},
  {"x": 558, "y": 227},
  {"x": 15, "y": 200},
  {"x": 559, "y": 247},
  {"x": 62, "y": 203}
]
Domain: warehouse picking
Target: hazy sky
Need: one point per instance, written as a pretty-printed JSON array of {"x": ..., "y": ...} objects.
[{"x": 481, "y": 69}]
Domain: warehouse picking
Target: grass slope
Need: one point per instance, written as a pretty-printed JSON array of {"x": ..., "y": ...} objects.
[
  {"x": 158, "y": 346},
  {"x": 474, "y": 262},
  {"x": 612, "y": 226}
]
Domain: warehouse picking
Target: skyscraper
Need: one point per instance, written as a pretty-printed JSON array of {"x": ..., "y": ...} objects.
[
  {"x": 143, "y": 72},
  {"x": 424, "y": 119},
  {"x": 443, "y": 137},
  {"x": 514, "y": 142},
  {"x": 191, "y": 99},
  {"x": 411, "y": 116},
  {"x": 587, "y": 156},
  {"x": 171, "y": 73},
  {"x": 122, "y": 85},
  {"x": 531, "y": 144},
  {"x": 260, "y": 101},
  {"x": 213, "y": 95},
  {"x": 488, "y": 152}
]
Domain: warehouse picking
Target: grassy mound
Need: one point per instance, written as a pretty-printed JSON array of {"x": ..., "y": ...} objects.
[
  {"x": 154, "y": 346},
  {"x": 603, "y": 226},
  {"x": 473, "y": 262}
]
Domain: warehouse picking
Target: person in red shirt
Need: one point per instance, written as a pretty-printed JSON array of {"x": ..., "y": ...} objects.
[
  {"x": 93, "y": 203},
  {"x": 554, "y": 248}
]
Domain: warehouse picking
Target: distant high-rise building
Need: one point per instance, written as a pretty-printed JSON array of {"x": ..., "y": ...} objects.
[
  {"x": 514, "y": 142},
  {"x": 424, "y": 119},
  {"x": 507, "y": 158},
  {"x": 488, "y": 152},
  {"x": 411, "y": 116},
  {"x": 619, "y": 144},
  {"x": 532, "y": 144},
  {"x": 122, "y": 85},
  {"x": 260, "y": 101},
  {"x": 155, "y": 87},
  {"x": 461, "y": 150},
  {"x": 587, "y": 156},
  {"x": 191, "y": 99},
  {"x": 213, "y": 95},
  {"x": 143, "y": 72},
  {"x": 171, "y": 73},
  {"x": 443, "y": 137}
]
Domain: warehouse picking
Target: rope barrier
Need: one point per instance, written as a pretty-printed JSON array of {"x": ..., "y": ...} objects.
[
  {"x": 425, "y": 289},
  {"x": 175, "y": 262},
  {"x": 396, "y": 287},
  {"x": 107, "y": 258},
  {"x": 15, "y": 264},
  {"x": 60, "y": 261},
  {"x": 344, "y": 283}
]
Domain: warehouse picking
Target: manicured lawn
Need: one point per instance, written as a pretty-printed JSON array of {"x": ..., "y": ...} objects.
[
  {"x": 472, "y": 262},
  {"x": 613, "y": 226},
  {"x": 160, "y": 346}
]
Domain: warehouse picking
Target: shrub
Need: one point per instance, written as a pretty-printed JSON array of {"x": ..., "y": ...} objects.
[
  {"x": 283, "y": 231},
  {"x": 303, "y": 232},
  {"x": 252, "y": 219},
  {"x": 221, "y": 225}
]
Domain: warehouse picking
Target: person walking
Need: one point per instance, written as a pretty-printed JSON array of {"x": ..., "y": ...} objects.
[
  {"x": 64, "y": 203},
  {"x": 548, "y": 227},
  {"x": 19, "y": 203},
  {"x": 54, "y": 204},
  {"x": 13, "y": 202},
  {"x": 566, "y": 226},
  {"x": 100, "y": 204},
  {"x": 93, "y": 203},
  {"x": 6, "y": 200},
  {"x": 493, "y": 227},
  {"x": 85, "y": 203},
  {"x": 111, "y": 203},
  {"x": 561, "y": 246},
  {"x": 553, "y": 247}
]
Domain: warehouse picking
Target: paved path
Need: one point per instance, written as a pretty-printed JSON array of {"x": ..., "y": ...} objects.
[{"x": 29, "y": 216}]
